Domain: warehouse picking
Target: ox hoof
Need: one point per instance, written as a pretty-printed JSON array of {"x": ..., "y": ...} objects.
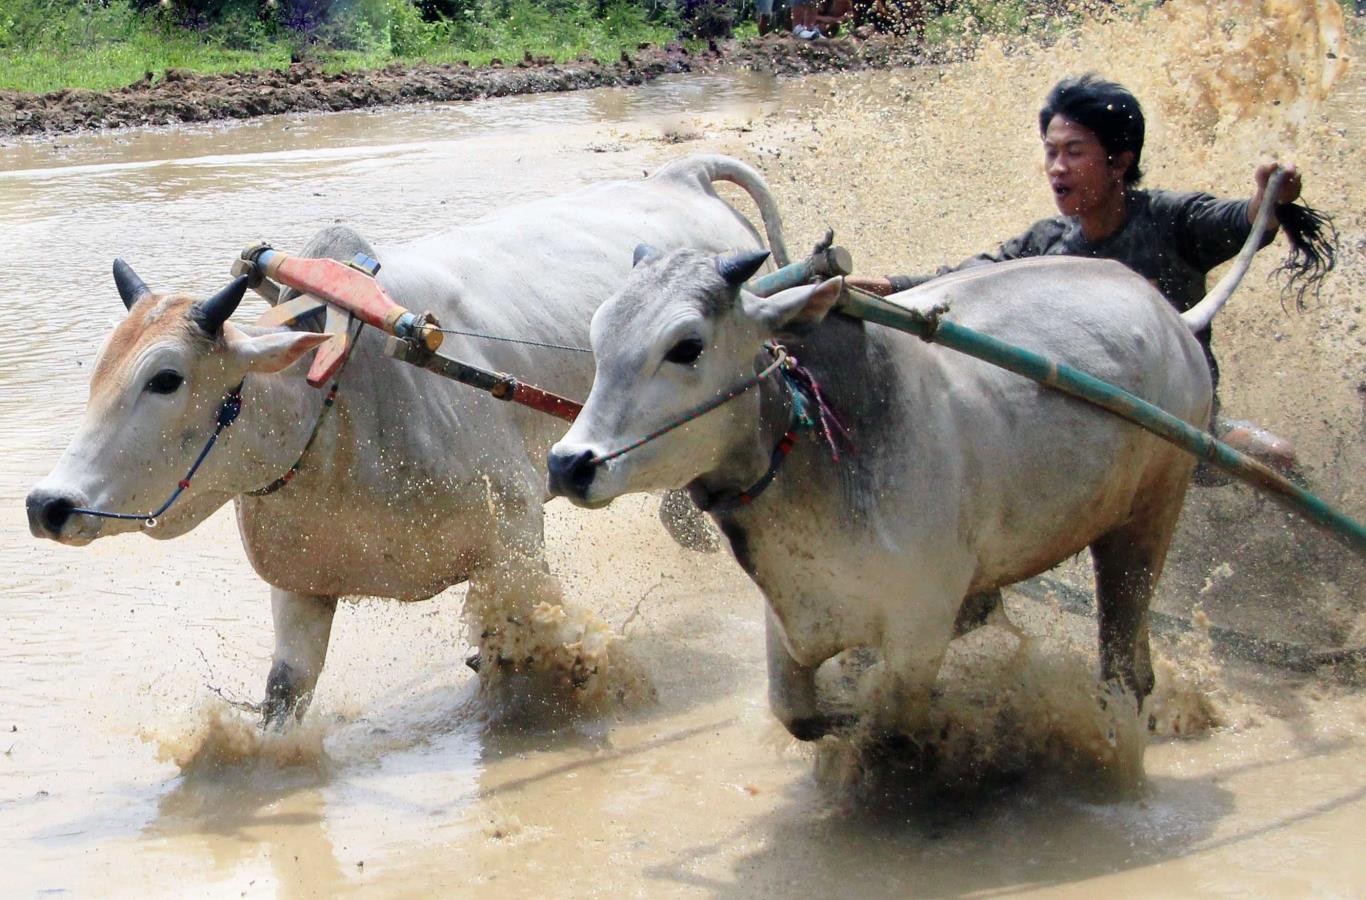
[
  {"x": 813, "y": 728},
  {"x": 284, "y": 700}
]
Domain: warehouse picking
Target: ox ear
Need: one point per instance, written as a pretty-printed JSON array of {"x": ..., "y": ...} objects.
[
  {"x": 272, "y": 351},
  {"x": 645, "y": 253},
  {"x": 795, "y": 310}
]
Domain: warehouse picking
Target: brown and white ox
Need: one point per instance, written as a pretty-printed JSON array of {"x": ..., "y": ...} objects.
[{"x": 413, "y": 483}]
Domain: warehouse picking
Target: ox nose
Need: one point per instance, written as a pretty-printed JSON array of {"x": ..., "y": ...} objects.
[
  {"x": 571, "y": 472},
  {"x": 48, "y": 511}
]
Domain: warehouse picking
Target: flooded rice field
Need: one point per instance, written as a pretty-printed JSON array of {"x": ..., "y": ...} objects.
[{"x": 126, "y": 769}]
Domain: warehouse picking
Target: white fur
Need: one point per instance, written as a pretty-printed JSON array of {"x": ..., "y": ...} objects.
[
  {"x": 966, "y": 477},
  {"x": 415, "y": 483}
]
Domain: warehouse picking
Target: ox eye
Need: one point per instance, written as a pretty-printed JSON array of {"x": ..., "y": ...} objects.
[
  {"x": 685, "y": 352},
  {"x": 167, "y": 381}
]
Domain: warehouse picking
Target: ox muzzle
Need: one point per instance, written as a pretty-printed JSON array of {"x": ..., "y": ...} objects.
[
  {"x": 571, "y": 472},
  {"x": 49, "y": 511}
]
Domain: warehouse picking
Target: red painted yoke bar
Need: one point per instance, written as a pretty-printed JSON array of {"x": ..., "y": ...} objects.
[
  {"x": 415, "y": 338},
  {"x": 349, "y": 287},
  {"x": 504, "y": 387},
  {"x": 546, "y": 402}
]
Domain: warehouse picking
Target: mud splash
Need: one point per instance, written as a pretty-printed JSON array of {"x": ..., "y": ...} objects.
[
  {"x": 223, "y": 738},
  {"x": 1023, "y": 707},
  {"x": 1002, "y": 719}
]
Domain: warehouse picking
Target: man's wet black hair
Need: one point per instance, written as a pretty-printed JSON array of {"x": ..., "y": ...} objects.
[{"x": 1106, "y": 108}]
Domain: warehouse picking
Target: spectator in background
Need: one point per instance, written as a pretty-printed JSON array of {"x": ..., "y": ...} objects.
[
  {"x": 763, "y": 16},
  {"x": 820, "y": 18}
]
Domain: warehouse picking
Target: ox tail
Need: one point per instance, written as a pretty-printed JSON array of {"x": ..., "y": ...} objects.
[
  {"x": 713, "y": 167},
  {"x": 1313, "y": 254}
]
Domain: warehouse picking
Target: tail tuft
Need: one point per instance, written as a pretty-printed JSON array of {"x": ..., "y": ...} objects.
[{"x": 1313, "y": 251}]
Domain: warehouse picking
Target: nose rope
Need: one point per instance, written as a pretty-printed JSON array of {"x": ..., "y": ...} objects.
[
  {"x": 228, "y": 411},
  {"x": 779, "y": 353},
  {"x": 328, "y": 402},
  {"x": 810, "y": 412}
]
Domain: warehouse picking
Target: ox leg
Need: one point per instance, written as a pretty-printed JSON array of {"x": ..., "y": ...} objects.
[
  {"x": 303, "y": 625},
  {"x": 504, "y": 603},
  {"x": 512, "y": 581},
  {"x": 977, "y": 610},
  {"x": 896, "y": 698},
  {"x": 1128, "y": 562},
  {"x": 516, "y": 607},
  {"x": 1124, "y": 585},
  {"x": 792, "y": 690}
]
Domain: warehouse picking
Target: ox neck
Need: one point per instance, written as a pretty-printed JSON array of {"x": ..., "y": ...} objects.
[
  {"x": 279, "y": 416},
  {"x": 746, "y": 473}
]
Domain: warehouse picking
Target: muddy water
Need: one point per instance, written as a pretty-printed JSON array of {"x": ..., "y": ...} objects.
[{"x": 124, "y": 771}]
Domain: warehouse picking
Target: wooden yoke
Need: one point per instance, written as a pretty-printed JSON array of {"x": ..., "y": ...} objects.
[
  {"x": 349, "y": 287},
  {"x": 500, "y": 385}
]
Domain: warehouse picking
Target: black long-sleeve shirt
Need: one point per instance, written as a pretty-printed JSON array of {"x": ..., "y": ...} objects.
[{"x": 1171, "y": 238}]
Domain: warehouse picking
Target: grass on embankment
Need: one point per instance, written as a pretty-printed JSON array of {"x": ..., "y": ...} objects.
[{"x": 48, "y": 45}]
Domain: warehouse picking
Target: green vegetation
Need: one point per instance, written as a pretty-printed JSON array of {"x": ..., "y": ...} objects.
[{"x": 48, "y": 45}]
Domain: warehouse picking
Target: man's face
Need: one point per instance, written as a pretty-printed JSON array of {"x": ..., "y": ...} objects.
[{"x": 1078, "y": 168}]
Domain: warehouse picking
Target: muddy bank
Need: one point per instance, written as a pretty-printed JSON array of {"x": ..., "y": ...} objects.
[{"x": 183, "y": 97}]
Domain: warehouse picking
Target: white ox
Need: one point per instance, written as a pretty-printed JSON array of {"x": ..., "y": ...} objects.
[
  {"x": 414, "y": 483},
  {"x": 965, "y": 478}
]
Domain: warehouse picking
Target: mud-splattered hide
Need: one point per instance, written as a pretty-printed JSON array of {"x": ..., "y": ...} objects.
[
  {"x": 413, "y": 483},
  {"x": 965, "y": 478}
]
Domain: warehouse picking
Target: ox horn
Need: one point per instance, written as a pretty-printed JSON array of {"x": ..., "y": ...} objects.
[
  {"x": 210, "y": 314},
  {"x": 645, "y": 253},
  {"x": 737, "y": 269},
  {"x": 131, "y": 287}
]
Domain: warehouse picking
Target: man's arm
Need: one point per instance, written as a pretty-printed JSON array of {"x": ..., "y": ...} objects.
[{"x": 1204, "y": 230}]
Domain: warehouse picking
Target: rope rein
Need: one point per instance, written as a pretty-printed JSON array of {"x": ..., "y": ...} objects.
[
  {"x": 803, "y": 393},
  {"x": 328, "y": 403},
  {"x": 228, "y": 411},
  {"x": 808, "y": 411},
  {"x": 508, "y": 340}
]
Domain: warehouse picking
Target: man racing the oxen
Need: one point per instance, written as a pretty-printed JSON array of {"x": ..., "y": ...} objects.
[{"x": 1092, "y": 133}]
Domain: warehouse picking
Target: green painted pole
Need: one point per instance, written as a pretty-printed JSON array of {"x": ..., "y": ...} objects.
[
  {"x": 821, "y": 264},
  {"x": 1120, "y": 402},
  {"x": 932, "y": 328}
]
